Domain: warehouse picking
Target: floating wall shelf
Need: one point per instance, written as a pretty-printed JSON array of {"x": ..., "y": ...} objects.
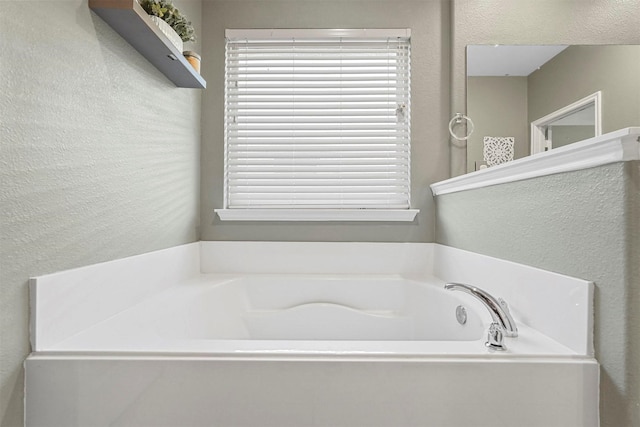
[{"x": 130, "y": 20}]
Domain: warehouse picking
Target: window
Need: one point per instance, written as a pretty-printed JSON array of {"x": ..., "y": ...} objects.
[{"x": 317, "y": 125}]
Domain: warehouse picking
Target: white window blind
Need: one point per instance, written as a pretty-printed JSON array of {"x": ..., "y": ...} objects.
[{"x": 317, "y": 123}]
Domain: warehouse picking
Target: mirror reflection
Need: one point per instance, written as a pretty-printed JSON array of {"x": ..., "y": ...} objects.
[
  {"x": 578, "y": 125},
  {"x": 576, "y": 122},
  {"x": 528, "y": 99}
]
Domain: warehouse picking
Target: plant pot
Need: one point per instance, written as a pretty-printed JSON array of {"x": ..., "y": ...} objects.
[
  {"x": 193, "y": 59},
  {"x": 166, "y": 29}
]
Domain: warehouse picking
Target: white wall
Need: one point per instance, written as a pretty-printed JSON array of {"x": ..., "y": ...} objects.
[{"x": 99, "y": 159}]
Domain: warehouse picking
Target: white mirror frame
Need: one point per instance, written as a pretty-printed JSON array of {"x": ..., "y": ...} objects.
[{"x": 538, "y": 140}]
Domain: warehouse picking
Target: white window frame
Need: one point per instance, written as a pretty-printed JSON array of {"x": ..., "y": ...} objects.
[{"x": 313, "y": 214}]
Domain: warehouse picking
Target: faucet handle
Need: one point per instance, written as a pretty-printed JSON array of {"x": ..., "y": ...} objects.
[
  {"x": 495, "y": 338},
  {"x": 513, "y": 329},
  {"x": 504, "y": 305}
]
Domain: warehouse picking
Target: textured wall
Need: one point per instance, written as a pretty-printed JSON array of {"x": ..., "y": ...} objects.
[
  {"x": 99, "y": 159},
  {"x": 532, "y": 22},
  {"x": 581, "y": 224},
  {"x": 429, "y": 23}
]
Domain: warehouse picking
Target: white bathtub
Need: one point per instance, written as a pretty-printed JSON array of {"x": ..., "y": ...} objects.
[
  {"x": 375, "y": 347},
  {"x": 365, "y": 316}
]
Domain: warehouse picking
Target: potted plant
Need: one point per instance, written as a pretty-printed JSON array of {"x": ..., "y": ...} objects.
[{"x": 170, "y": 21}]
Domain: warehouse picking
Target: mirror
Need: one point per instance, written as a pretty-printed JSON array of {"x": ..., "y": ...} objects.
[{"x": 542, "y": 97}]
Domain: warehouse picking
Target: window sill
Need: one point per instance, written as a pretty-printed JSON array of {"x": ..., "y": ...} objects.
[{"x": 395, "y": 215}]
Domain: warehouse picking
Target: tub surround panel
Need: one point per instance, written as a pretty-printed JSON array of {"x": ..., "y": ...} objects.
[
  {"x": 559, "y": 306},
  {"x": 408, "y": 259},
  {"x": 67, "y": 302},
  {"x": 67, "y": 305}
]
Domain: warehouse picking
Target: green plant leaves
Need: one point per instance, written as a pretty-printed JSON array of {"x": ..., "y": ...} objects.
[{"x": 165, "y": 10}]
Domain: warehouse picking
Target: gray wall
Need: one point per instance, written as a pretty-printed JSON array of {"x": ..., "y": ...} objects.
[
  {"x": 583, "y": 224},
  {"x": 579, "y": 71},
  {"x": 498, "y": 107},
  {"x": 99, "y": 159},
  {"x": 429, "y": 23}
]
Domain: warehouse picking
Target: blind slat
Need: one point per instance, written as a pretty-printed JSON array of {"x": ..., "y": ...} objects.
[
  {"x": 284, "y": 120},
  {"x": 265, "y": 182},
  {"x": 319, "y": 155},
  {"x": 327, "y": 126},
  {"x": 319, "y": 85},
  {"x": 299, "y": 78},
  {"x": 378, "y": 71},
  {"x": 233, "y": 114},
  {"x": 307, "y": 109},
  {"x": 293, "y": 145}
]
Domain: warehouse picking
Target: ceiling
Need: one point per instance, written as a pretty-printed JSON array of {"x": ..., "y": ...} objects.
[{"x": 504, "y": 60}]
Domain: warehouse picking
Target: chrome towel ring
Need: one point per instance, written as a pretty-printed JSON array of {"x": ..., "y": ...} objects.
[{"x": 456, "y": 120}]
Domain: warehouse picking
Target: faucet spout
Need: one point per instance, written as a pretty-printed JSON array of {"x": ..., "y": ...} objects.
[{"x": 498, "y": 308}]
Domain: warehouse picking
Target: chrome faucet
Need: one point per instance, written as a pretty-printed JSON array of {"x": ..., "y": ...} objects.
[{"x": 503, "y": 323}]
